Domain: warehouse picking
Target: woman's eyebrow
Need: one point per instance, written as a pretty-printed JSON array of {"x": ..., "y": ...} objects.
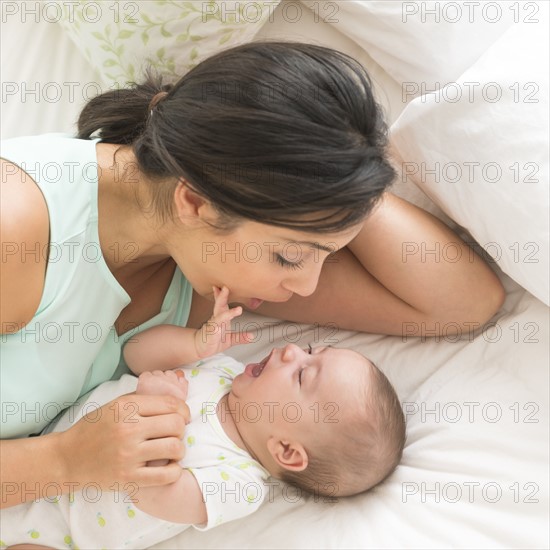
[{"x": 329, "y": 249}]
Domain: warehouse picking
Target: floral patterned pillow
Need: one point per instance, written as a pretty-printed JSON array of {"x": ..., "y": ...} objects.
[{"x": 119, "y": 38}]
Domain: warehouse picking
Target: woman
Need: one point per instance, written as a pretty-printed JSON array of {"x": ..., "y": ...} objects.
[{"x": 248, "y": 172}]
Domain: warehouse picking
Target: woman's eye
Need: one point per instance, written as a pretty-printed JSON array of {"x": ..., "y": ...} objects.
[{"x": 287, "y": 264}]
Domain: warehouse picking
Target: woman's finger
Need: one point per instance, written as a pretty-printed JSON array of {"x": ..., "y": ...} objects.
[
  {"x": 150, "y": 405},
  {"x": 166, "y": 425},
  {"x": 171, "y": 448},
  {"x": 160, "y": 475}
]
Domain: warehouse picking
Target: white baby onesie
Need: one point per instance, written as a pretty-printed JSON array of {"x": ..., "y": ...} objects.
[{"x": 232, "y": 482}]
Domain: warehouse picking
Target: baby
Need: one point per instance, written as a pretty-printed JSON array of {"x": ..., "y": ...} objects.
[{"x": 325, "y": 420}]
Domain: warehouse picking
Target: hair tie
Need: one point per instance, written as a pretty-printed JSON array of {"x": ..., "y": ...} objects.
[{"x": 156, "y": 99}]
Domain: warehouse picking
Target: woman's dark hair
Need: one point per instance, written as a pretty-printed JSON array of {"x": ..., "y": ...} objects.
[{"x": 280, "y": 133}]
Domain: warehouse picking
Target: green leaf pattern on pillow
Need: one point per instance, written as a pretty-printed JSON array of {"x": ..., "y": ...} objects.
[{"x": 120, "y": 38}]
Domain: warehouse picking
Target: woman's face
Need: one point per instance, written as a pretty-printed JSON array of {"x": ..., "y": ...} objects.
[{"x": 257, "y": 262}]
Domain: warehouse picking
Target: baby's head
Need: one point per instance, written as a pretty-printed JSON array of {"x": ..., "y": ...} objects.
[{"x": 327, "y": 421}]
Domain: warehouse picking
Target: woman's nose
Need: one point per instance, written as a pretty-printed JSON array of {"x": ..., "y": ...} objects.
[{"x": 303, "y": 284}]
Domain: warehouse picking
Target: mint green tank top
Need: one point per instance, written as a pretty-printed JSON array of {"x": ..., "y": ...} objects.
[{"x": 70, "y": 345}]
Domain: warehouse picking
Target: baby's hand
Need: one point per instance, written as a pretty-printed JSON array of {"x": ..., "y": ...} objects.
[
  {"x": 159, "y": 382},
  {"x": 215, "y": 335}
]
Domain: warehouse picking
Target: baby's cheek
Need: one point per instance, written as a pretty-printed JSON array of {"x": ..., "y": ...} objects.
[{"x": 272, "y": 392}]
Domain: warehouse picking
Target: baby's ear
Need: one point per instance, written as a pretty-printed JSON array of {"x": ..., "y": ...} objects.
[{"x": 289, "y": 455}]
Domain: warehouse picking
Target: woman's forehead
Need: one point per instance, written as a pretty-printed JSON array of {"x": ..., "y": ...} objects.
[{"x": 284, "y": 234}]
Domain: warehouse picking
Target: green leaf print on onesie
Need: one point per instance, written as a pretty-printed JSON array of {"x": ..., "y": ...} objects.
[{"x": 101, "y": 520}]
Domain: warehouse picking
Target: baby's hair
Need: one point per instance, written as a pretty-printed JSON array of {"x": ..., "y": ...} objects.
[{"x": 368, "y": 444}]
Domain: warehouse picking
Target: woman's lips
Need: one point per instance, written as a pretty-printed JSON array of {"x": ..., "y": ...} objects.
[{"x": 254, "y": 303}]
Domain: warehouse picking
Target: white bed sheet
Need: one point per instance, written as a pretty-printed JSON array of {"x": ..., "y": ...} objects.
[{"x": 504, "y": 370}]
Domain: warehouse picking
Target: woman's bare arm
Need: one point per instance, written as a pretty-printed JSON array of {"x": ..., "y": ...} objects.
[
  {"x": 387, "y": 281},
  {"x": 420, "y": 260},
  {"x": 105, "y": 451},
  {"x": 24, "y": 235},
  {"x": 31, "y": 469}
]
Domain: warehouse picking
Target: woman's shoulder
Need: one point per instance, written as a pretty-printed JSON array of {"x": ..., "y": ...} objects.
[
  {"x": 64, "y": 170},
  {"x": 50, "y": 146},
  {"x": 36, "y": 141},
  {"x": 47, "y": 150},
  {"x": 24, "y": 226}
]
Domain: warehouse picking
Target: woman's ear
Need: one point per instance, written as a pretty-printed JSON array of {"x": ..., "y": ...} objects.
[
  {"x": 189, "y": 205},
  {"x": 288, "y": 455}
]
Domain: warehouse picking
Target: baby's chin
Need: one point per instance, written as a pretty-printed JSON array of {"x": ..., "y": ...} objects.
[
  {"x": 244, "y": 378},
  {"x": 235, "y": 385},
  {"x": 238, "y": 379}
]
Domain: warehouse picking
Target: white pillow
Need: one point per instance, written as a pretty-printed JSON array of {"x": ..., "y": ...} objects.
[
  {"x": 120, "y": 38},
  {"x": 422, "y": 45},
  {"x": 502, "y": 198}
]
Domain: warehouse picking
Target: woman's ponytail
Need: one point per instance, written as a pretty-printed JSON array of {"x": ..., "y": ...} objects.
[{"x": 119, "y": 116}]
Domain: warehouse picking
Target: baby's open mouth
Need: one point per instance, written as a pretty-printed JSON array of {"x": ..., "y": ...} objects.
[{"x": 255, "y": 369}]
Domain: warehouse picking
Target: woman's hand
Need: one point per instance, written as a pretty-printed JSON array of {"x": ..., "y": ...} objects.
[
  {"x": 107, "y": 449},
  {"x": 215, "y": 335},
  {"x": 158, "y": 382},
  {"x": 111, "y": 446}
]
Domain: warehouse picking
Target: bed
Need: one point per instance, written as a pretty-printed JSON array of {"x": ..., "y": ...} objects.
[{"x": 475, "y": 468}]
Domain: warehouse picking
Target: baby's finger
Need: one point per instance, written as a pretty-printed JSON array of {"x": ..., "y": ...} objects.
[
  {"x": 220, "y": 304},
  {"x": 241, "y": 338},
  {"x": 225, "y": 317},
  {"x": 235, "y": 312}
]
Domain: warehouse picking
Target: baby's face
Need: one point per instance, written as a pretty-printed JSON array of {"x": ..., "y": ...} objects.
[{"x": 296, "y": 394}]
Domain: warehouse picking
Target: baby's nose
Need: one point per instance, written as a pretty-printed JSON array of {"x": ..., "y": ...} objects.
[{"x": 290, "y": 352}]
